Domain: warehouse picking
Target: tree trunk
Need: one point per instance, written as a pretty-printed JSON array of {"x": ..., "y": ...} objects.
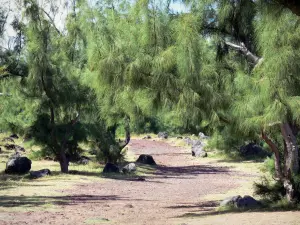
[
  {"x": 290, "y": 191},
  {"x": 286, "y": 176},
  {"x": 291, "y": 164},
  {"x": 275, "y": 150},
  {"x": 127, "y": 132},
  {"x": 112, "y": 130},
  {"x": 63, "y": 161}
]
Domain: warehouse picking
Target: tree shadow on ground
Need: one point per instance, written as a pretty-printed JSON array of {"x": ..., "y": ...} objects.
[
  {"x": 36, "y": 201},
  {"x": 237, "y": 158},
  {"x": 154, "y": 173},
  {"x": 186, "y": 172}
]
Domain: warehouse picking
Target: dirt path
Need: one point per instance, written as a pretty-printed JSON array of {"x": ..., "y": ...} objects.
[{"x": 176, "y": 189}]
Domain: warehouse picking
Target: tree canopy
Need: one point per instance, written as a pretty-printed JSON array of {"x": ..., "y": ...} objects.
[{"x": 227, "y": 67}]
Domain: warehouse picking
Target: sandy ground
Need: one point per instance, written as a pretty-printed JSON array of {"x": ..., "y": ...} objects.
[{"x": 173, "y": 193}]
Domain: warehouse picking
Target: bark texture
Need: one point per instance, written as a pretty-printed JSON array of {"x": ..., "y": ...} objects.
[
  {"x": 291, "y": 150},
  {"x": 290, "y": 161}
]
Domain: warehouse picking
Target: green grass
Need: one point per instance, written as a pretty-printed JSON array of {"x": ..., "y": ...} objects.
[
  {"x": 20, "y": 193},
  {"x": 98, "y": 220}
]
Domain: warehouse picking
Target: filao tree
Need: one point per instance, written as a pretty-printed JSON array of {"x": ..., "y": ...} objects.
[
  {"x": 123, "y": 38},
  {"x": 257, "y": 43},
  {"x": 53, "y": 84}
]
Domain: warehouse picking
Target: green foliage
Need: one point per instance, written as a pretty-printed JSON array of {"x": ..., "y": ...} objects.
[
  {"x": 162, "y": 71},
  {"x": 39, "y": 155},
  {"x": 269, "y": 166},
  {"x": 273, "y": 190},
  {"x": 270, "y": 190}
]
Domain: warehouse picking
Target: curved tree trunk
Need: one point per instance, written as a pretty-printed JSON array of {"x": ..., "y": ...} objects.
[
  {"x": 291, "y": 164},
  {"x": 275, "y": 150}
]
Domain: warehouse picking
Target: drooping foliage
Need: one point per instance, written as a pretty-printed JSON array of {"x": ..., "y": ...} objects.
[{"x": 229, "y": 68}]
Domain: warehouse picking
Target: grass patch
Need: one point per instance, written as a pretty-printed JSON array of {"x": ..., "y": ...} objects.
[
  {"x": 20, "y": 193},
  {"x": 266, "y": 206},
  {"x": 97, "y": 220}
]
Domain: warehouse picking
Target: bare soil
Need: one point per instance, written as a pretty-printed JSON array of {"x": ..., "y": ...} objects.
[{"x": 173, "y": 192}]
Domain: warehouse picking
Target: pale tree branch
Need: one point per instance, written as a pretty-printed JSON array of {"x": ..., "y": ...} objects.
[
  {"x": 51, "y": 20},
  {"x": 242, "y": 48}
]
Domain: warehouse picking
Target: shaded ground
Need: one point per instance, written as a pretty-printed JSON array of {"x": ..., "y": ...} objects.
[{"x": 174, "y": 192}]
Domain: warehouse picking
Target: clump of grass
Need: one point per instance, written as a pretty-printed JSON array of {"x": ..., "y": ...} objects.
[
  {"x": 269, "y": 190},
  {"x": 96, "y": 220},
  {"x": 229, "y": 208}
]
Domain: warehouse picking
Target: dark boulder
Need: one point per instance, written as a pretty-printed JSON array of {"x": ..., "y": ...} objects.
[
  {"x": 14, "y": 136},
  {"x": 18, "y": 165},
  {"x": 252, "y": 149},
  {"x": 163, "y": 135},
  {"x": 40, "y": 173},
  {"x": 247, "y": 202},
  {"x": 129, "y": 168},
  {"x": 147, "y": 137},
  {"x": 111, "y": 168},
  {"x": 14, "y": 147},
  {"x": 230, "y": 201},
  {"x": 239, "y": 202},
  {"x": 9, "y": 146},
  {"x": 146, "y": 159},
  {"x": 8, "y": 139}
]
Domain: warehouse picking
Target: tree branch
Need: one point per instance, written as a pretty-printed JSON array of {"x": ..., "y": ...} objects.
[
  {"x": 51, "y": 20},
  {"x": 275, "y": 150},
  {"x": 249, "y": 55},
  {"x": 127, "y": 133}
]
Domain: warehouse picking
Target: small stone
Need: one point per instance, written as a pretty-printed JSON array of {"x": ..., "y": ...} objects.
[
  {"x": 147, "y": 137},
  {"x": 163, "y": 135},
  {"x": 239, "y": 202},
  {"x": 129, "y": 168},
  {"x": 129, "y": 206},
  {"x": 40, "y": 173}
]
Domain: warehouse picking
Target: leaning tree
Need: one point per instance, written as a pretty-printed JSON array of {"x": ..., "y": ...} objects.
[{"x": 257, "y": 42}]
